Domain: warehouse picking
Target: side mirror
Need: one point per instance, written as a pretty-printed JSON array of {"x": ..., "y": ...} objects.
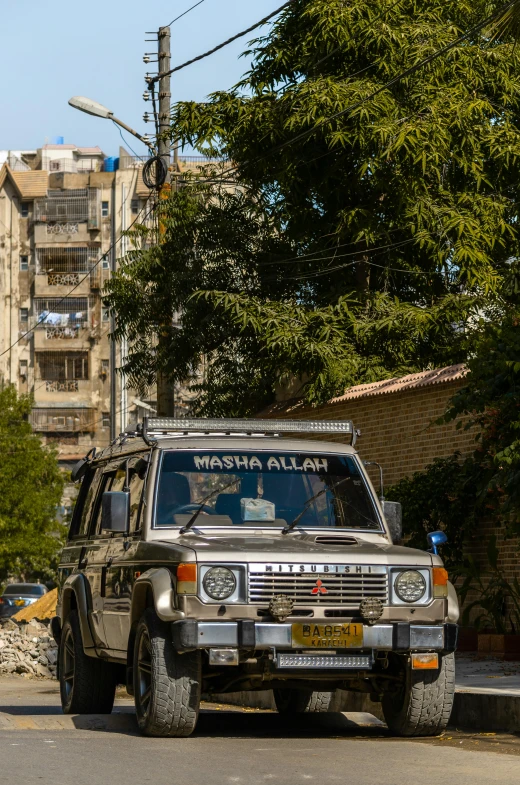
[
  {"x": 393, "y": 513},
  {"x": 115, "y": 511},
  {"x": 435, "y": 539}
]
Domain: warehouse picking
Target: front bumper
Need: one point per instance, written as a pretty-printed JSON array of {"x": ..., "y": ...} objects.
[{"x": 189, "y": 634}]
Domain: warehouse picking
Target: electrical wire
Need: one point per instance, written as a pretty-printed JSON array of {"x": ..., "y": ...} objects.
[
  {"x": 220, "y": 46},
  {"x": 62, "y": 299},
  {"x": 185, "y": 12},
  {"x": 314, "y": 258}
]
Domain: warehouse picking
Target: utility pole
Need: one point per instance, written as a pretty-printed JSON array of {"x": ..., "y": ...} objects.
[
  {"x": 113, "y": 348},
  {"x": 165, "y": 397}
]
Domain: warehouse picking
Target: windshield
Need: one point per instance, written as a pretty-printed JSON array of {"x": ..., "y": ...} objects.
[
  {"x": 263, "y": 489},
  {"x": 25, "y": 589}
]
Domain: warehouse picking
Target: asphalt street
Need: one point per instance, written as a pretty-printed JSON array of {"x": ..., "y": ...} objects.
[{"x": 238, "y": 746}]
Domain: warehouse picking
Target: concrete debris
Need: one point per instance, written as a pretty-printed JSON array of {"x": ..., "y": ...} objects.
[{"x": 27, "y": 649}]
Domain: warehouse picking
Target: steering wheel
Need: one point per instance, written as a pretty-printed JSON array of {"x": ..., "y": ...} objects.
[{"x": 185, "y": 508}]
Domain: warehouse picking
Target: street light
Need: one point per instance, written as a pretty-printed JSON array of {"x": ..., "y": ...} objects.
[{"x": 89, "y": 106}]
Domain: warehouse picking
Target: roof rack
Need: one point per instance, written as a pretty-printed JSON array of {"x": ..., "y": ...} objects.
[{"x": 164, "y": 426}]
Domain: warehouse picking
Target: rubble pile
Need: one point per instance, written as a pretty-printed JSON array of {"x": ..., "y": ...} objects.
[{"x": 27, "y": 649}]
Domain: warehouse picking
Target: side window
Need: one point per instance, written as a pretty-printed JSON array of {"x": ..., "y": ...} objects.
[
  {"x": 83, "y": 509},
  {"x": 137, "y": 475},
  {"x": 111, "y": 481},
  {"x": 114, "y": 480}
]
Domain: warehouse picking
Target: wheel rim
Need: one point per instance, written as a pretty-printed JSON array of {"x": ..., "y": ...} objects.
[
  {"x": 69, "y": 659},
  {"x": 144, "y": 672}
]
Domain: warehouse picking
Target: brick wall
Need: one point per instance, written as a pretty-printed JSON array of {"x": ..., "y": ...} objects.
[
  {"x": 398, "y": 431},
  {"x": 396, "y": 428}
]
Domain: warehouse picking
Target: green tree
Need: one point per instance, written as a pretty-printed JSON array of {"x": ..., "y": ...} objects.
[
  {"x": 373, "y": 221},
  {"x": 31, "y": 486}
]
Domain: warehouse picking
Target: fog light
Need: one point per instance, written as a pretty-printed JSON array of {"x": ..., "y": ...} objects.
[
  {"x": 371, "y": 609},
  {"x": 424, "y": 662},
  {"x": 223, "y": 656}
]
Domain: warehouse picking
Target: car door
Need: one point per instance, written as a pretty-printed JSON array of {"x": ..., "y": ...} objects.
[
  {"x": 72, "y": 557},
  {"x": 121, "y": 562},
  {"x": 95, "y": 557}
]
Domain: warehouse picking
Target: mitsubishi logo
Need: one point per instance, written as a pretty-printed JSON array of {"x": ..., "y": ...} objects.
[{"x": 319, "y": 588}]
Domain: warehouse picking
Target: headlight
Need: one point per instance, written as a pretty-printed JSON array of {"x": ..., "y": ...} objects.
[
  {"x": 410, "y": 586},
  {"x": 219, "y": 583}
]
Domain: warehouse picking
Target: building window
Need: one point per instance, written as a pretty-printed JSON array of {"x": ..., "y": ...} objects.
[
  {"x": 59, "y": 367},
  {"x": 24, "y": 263},
  {"x": 25, "y": 210},
  {"x": 105, "y": 314},
  {"x": 24, "y": 315},
  {"x": 105, "y": 420},
  {"x": 54, "y": 166},
  {"x": 105, "y": 264},
  {"x": 24, "y": 366},
  {"x": 134, "y": 206},
  {"x": 104, "y": 209}
]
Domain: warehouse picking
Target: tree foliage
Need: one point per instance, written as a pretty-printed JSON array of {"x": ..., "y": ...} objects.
[
  {"x": 366, "y": 232},
  {"x": 31, "y": 486}
]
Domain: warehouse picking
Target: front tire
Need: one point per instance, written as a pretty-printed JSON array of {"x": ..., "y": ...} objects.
[
  {"x": 87, "y": 685},
  {"x": 167, "y": 685},
  {"x": 423, "y": 705},
  {"x": 302, "y": 701}
]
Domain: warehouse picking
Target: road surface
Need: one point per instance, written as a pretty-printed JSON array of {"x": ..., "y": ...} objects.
[{"x": 240, "y": 746}]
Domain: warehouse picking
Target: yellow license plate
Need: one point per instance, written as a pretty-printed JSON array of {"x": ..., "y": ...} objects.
[
  {"x": 327, "y": 636},
  {"x": 19, "y": 602}
]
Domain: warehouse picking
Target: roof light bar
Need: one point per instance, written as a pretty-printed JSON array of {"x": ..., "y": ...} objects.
[{"x": 165, "y": 425}]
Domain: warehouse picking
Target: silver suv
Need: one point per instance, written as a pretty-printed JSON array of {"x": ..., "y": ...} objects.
[{"x": 214, "y": 556}]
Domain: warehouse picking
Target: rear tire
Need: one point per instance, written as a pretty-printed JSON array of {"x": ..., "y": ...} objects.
[
  {"x": 302, "y": 701},
  {"x": 423, "y": 706},
  {"x": 167, "y": 685},
  {"x": 87, "y": 685}
]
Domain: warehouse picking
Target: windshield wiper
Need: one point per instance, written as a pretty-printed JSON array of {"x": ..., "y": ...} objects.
[
  {"x": 293, "y": 523},
  {"x": 208, "y": 498}
]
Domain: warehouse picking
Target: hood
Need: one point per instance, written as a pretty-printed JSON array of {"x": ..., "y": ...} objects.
[{"x": 293, "y": 549}]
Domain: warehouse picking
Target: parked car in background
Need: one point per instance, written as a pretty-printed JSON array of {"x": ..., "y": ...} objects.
[{"x": 18, "y": 595}]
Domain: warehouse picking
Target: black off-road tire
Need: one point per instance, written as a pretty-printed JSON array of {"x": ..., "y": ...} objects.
[
  {"x": 167, "y": 685},
  {"x": 87, "y": 684},
  {"x": 423, "y": 706},
  {"x": 302, "y": 701}
]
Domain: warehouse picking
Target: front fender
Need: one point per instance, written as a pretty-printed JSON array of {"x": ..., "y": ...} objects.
[
  {"x": 76, "y": 594},
  {"x": 157, "y": 581},
  {"x": 453, "y": 604}
]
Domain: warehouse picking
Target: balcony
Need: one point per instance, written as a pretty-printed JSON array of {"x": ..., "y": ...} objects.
[
  {"x": 62, "y": 323},
  {"x": 63, "y": 210},
  {"x": 60, "y": 268},
  {"x": 64, "y": 373},
  {"x": 57, "y": 420}
]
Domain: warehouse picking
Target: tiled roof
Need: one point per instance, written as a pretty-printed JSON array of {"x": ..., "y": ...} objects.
[
  {"x": 451, "y": 373},
  {"x": 31, "y": 184}
]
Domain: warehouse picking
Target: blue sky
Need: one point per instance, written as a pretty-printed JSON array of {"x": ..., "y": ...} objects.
[{"x": 52, "y": 51}]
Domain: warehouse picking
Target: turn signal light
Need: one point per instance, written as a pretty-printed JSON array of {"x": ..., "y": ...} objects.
[
  {"x": 187, "y": 579},
  {"x": 424, "y": 662},
  {"x": 440, "y": 583}
]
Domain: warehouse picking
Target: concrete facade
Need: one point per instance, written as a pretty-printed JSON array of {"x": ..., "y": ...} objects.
[{"x": 60, "y": 223}]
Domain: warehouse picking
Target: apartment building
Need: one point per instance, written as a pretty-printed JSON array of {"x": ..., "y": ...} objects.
[{"x": 63, "y": 210}]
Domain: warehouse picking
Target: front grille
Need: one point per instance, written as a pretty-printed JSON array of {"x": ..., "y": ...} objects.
[{"x": 345, "y": 590}]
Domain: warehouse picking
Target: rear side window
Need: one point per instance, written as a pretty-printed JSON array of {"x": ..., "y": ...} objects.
[
  {"x": 25, "y": 589},
  {"x": 83, "y": 509}
]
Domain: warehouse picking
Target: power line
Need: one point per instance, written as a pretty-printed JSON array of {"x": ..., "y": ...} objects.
[
  {"x": 220, "y": 46},
  {"x": 185, "y": 12},
  {"x": 62, "y": 299}
]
